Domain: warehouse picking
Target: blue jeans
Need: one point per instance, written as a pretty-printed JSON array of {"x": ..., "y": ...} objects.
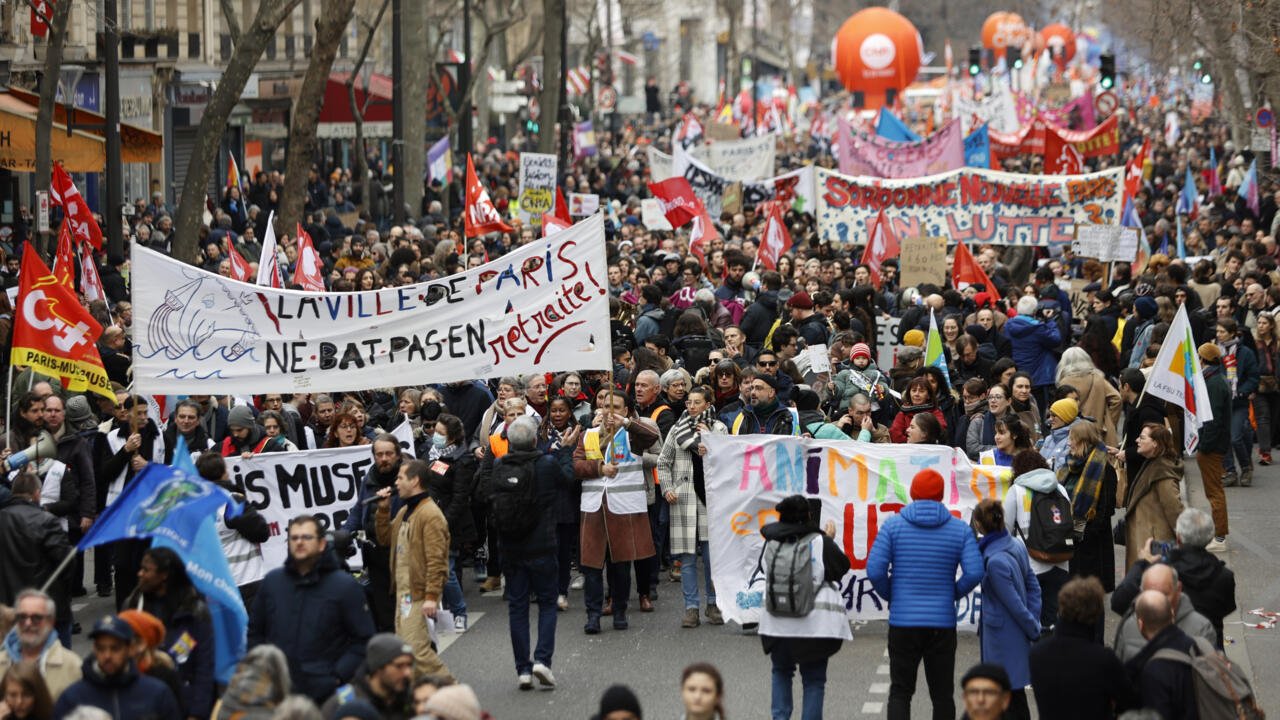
[
  {"x": 813, "y": 678},
  {"x": 454, "y": 601},
  {"x": 537, "y": 576},
  {"x": 1241, "y": 434},
  {"x": 689, "y": 575}
]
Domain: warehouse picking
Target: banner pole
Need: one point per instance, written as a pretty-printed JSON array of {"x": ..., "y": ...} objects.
[
  {"x": 8, "y": 406},
  {"x": 59, "y": 570}
]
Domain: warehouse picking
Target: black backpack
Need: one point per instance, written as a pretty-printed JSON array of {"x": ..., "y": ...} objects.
[
  {"x": 1051, "y": 537},
  {"x": 513, "y": 500}
]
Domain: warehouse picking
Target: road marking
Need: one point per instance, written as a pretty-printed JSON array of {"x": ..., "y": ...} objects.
[
  {"x": 872, "y": 708},
  {"x": 77, "y": 607},
  {"x": 882, "y": 670},
  {"x": 879, "y": 688},
  {"x": 447, "y": 639}
]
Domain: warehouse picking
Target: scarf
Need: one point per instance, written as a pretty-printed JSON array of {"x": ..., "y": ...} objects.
[
  {"x": 1020, "y": 407},
  {"x": 1229, "y": 361},
  {"x": 448, "y": 451},
  {"x": 685, "y": 431},
  {"x": 1082, "y": 477},
  {"x": 972, "y": 408}
]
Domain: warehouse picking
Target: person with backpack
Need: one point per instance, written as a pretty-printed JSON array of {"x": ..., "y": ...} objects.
[
  {"x": 1038, "y": 509},
  {"x": 522, "y": 494},
  {"x": 419, "y": 540},
  {"x": 805, "y": 621},
  {"x": 912, "y": 565},
  {"x": 1010, "y": 603},
  {"x": 761, "y": 315},
  {"x": 1164, "y": 684}
]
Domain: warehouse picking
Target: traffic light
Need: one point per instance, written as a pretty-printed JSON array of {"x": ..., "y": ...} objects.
[
  {"x": 975, "y": 61},
  {"x": 1107, "y": 71},
  {"x": 531, "y": 126},
  {"x": 1201, "y": 68},
  {"x": 1014, "y": 56}
]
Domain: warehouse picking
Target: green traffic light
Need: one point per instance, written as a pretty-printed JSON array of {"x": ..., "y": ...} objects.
[
  {"x": 1017, "y": 64},
  {"x": 1206, "y": 79},
  {"x": 974, "y": 69},
  {"x": 1198, "y": 64},
  {"x": 1107, "y": 83}
]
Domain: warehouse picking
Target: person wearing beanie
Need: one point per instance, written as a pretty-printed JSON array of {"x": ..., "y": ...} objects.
[
  {"x": 912, "y": 565},
  {"x": 245, "y": 437},
  {"x": 455, "y": 702},
  {"x": 764, "y": 414},
  {"x": 381, "y": 684},
  {"x": 807, "y": 642},
  {"x": 1137, "y": 332},
  {"x": 1062, "y": 415},
  {"x": 1215, "y": 436},
  {"x": 861, "y": 377},
  {"x": 811, "y": 325},
  {"x": 987, "y": 692},
  {"x": 914, "y": 338},
  {"x": 619, "y": 703},
  {"x": 80, "y": 417}
]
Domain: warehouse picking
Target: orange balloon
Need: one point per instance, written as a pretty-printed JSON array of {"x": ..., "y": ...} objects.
[
  {"x": 1004, "y": 30},
  {"x": 1058, "y": 36},
  {"x": 876, "y": 51}
]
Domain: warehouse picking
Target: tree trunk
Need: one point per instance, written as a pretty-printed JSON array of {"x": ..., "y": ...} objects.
[
  {"x": 360, "y": 168},
  {"x": 419, "y": 66},
  {"x": 253, "y": 40},
  {"x": 335, "y": 15},
  {"x": 57, "y": 39},
  {"x": 553, "y": 22}
]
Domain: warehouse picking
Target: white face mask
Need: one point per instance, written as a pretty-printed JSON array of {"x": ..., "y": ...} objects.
[{"x": 439, "y": 440}]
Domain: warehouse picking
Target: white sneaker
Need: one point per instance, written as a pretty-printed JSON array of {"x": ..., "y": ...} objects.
[
  {"x": 543, "y": 673},
  {"x": 1218, "y": 544},
  {"x": 562, "y": 602},
  {"x": 526, "y": 682},
  {"x": 460, "y": 623},
  {"x": 576, "y": 583}
]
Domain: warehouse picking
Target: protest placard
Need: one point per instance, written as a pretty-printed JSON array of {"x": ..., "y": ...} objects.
[
  {"x": 537, "y": 186},
  {"x": 541, "y": 307},
  {"x": 583, "y": 204},
  {"x": 861, "y": 485},
  {"x": 718, "y": 131},
  {"x": 923, "y": 260}
]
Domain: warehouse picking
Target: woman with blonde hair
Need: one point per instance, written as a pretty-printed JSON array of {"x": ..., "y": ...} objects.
[{"x": 1098, "y": 399}]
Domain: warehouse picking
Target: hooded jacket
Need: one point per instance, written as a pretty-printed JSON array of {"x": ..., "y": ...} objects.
[
  {"x": 912, "y": 565},
  {"x": 1206, "y": 581},
  {"x": 1017, "y": 507},
  {"x": 34, "y": 543},
  {"x": 759, "y": 318},
  {"x": 127, "y": 695},
  {"x": 1034, "y": 344}
]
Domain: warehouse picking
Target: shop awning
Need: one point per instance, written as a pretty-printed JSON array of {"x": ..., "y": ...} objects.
[
  {"x": 336, "y": 118},
  {"x": 137, "y": 144},
  {"x": 78, "y": 152}
]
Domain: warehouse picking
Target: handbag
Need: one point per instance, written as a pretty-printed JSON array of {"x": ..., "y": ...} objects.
[
  {"x": 1269, "y": 384},
  {"x": 1118, "y": 533}
]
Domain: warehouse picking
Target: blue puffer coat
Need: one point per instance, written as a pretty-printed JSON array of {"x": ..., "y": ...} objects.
[
  {"x": 1010, "y": 607},
  {"x": 913, "y": 562},
  {"x": 125, "y": 696},
  {"x": 1033, "y": 344}
]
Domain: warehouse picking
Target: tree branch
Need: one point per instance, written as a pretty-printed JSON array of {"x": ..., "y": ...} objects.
[
  {"x": 35, "y": 9},
  {"x": 233, "y": 24}
]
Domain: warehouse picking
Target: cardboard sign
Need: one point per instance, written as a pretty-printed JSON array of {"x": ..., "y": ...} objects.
[
  {"x": 537, "y": 186},
  {"x": 1107, "y": 243},
  {"x": 583, "y": 204},
  {"x": 923, "y": 260},
  {"x": 717, "y": 131},
  {"x": 732, "y": 198}
]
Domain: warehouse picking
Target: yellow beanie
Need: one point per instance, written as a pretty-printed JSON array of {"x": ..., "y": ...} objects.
[
  {"x": 915, "y": 338},
  {"x": 1066, "y": 409}
]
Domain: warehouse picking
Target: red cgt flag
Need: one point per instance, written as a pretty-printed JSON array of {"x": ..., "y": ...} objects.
[
  {"x": 1061, "y": 157},
  {"x": 966, "y": 271},
  {"x": 882, "y": 244},
  {"x": 63, "y": 193},
  {"x": 701, "y": 235},
  {"x": 64, "y": 261},
  {"x": 1133, "y": 172},
  {"x": 553, "y": 224},
  {"x": 679, "y": 203},
  {"x": 308, "y": 269},
  {"x": 90, "y": 281},
  {"x": 240, "y": 269},
  {"x": 774, "y": 238},
  {"x": 481, "y": 216},
  {"x": 562, "y": 209}
]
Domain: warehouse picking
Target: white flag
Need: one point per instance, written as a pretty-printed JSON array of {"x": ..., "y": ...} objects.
[{"x": 1176, "y": 377}]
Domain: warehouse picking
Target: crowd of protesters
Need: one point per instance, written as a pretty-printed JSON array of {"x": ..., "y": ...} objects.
[{"x": 1045, "y": 377}]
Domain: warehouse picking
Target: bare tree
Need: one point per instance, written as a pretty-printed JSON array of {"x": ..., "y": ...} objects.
[
  {"x": 253, "y": 41},
  {"x": 360, "y": 169},
  {"x": 552, "y": 44},
  {"x": 332, "y": 23},
  {"x": 57, "y": 38}
]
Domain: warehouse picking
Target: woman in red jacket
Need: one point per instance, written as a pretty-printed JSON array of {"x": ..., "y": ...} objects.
[{"x": 918, "y": 398}]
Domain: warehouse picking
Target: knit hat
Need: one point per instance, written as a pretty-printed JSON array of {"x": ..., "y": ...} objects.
[
  {"x": 1066, "y": 409},
  {"x": 860, "y": 350},
  {"x": 145, "y": 625},
  {"x": 240, "y": 416},
  {"x": 357, "y": 708},
  {"x": 927, "y": 485},
  {"x": 988, "y": 671},
  {"x": 806, "y": 400},
  {"x": 801, "y": 300},
  {"x": 1145, "y": 307},
  {"x": 914, "y": 338},
  {"x": 770, "y": 380},
  {"x": 79, "y": 414},
  {"x": 910, "y": 353},
  {"x": 1210, "y": 352},
  {"x": 619, "y": 697},
  {"x": 383, "y": 649},
  {"x": 454, "y": 702}
]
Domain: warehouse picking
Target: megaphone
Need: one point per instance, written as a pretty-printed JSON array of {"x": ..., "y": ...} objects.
[{"x": 44, "y": 447}]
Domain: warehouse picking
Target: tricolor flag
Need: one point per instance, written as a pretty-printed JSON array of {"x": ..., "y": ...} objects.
[
  {"x": 1176, "y": 377},
  {"x": 1215, "y": 182},
  {"x": 1249, "y": 188},
  {"x": 233, "y": 174},
  {"x": 933, "y": 354}
]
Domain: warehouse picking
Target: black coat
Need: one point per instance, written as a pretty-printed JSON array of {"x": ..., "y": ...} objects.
[
  {"x": 551, "y": 472},
  {"x": 186, "y": 619},
  {"x": 77, "y": 454},
  {"x": 1166, "y": 686},
  {"x": 451, "y": 489},
  {"x": 34, "y": 543},
  {"x": 1074, "y": 676},
  {"x": 759, "y": 317},
  {"x": 129, "y": 695},
  {"x": 1206, "y": 581},
  {"x": 1150, "y": 410},
  {"x": 320, "y": 620}
]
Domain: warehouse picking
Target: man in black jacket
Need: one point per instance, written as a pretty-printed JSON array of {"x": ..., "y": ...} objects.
[
  {"x": 33, "y": 541},
  {"x": 759, "y": 317},
  {"x": 529, "y": 561},
  {"x": 377, "y": 558},
  {"x": 1166, "y": 686},
  {"x": 1136, "y": 415},
  {"x": 314, "y": 612},
  {"x": 77, "y": 504}
]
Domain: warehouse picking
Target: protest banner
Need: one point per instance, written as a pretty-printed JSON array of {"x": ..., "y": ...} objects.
[
  {"x": 861, "y": 485},
  {"x": 1101, "y": 141},
  {"x": 794, "y": 188},
  {"x": 998, "y": 111},
  {"x": 923, "y": 260},
  {"x": 537, "y": 186},
  {"x": 541, "y": 307},
  {"x": 652, "y": 216},
  {"x": 324, "y": 483},
  {"x": 875, "y": 156},
  {"x": 969, "y": 205},
  {"x": 583, "y": 204},
  {"x": 749, "y": 159}
]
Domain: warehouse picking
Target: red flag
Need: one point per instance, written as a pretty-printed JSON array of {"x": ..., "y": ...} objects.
[
  {"x": 90, "y": 282},
  {"x": 701, "y": 235},
  {"x": 482, "y": 217},
  {"x": 690, "y": 130},
  {"x": 1061, "y": 157},
  {"x": 966, "y": 270},
  {"x": 63, "y": 193},
  {"x": 882, "y": 244},
  {"x": 308, "y": 269},
  {"x": 40, "y": 28},
  {"x": 1133, "y": 172},
  {"x": 679, "y": 203},
  {"x": 553, "y": 224},
  {"x": 240, "y": 269},
  {"x": 774, "y": 238},
  {"x": 64, "y": 261},
  {"x": 562, "y": 209}
]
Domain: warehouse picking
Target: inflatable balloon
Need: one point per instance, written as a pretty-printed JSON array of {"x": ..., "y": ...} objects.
[
  {"x": 1004, "y": 30},
  {"x": 1059, "y": 41},
  {"x": 876, "y": 53}
]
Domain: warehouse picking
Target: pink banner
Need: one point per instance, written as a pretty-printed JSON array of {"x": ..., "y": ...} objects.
[{"x": 876, "y": 157}]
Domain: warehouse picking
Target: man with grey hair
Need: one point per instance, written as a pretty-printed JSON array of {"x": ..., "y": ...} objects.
[
  {"x": 32, "y": 638},
  {"x": 523, "y": 490},
  {"x": 1207, "y": 582},
  {"x": 1130, "y": 641}
]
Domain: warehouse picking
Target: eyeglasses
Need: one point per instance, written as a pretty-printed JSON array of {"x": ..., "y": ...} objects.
[{"x": 21, "y": 618}]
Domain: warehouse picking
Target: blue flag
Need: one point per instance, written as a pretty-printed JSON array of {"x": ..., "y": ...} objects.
[
  {"x": 890, "y": 127},
  {"x": 1188, "y": 199},
  {"x": 1182, "y": 241},
  {"x": 977, "y": 148},
  {"x": 176, "y": 508}
]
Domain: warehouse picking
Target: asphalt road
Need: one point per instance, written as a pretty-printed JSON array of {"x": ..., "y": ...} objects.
[{"x": 650, "y": 655}]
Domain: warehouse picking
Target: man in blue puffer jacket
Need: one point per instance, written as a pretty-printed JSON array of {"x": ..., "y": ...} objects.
[
  {"x": 1034, "y": 335},
  {"x": 912, "y": 565}
]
